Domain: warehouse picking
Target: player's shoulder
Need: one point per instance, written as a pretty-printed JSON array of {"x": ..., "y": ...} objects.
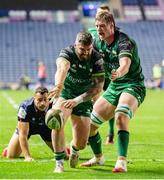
[
  {"x": 99, "y": 44},
  {"x": 97, "y": 58},
  {"x": 96, "y": 54},
  {"x": 124, "y": 40},
  {"x": 93, "y": 32},
  {"x": 92, "y": 29},
  {"x": 27, "y": 104},
  {"x": 122, "y": 36},
  {"x": 67, "y": 52},
  {"x": 25, "y": 108}
]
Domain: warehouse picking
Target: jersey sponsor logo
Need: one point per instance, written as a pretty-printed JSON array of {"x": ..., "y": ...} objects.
[
  {"x": 75, "y": 80},
  {"x": 22, "y": 113}
]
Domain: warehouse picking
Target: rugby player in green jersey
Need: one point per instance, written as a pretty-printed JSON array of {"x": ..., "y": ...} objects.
[
  {"x": 93, "y": 31},
  {"x": 79, "y": 77},
  {"x": 125, "y": 92}
]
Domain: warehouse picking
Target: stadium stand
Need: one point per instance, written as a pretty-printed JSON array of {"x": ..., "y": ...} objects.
[
  {"x": 135, "y": 2},
  {"x": 24, "y": 43},
  {"x": 149, "y": 36},
  {"x": 153, "y": 9}
]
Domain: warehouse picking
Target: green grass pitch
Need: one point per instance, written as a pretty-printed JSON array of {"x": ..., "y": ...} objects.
[{"x": 146, "y": 147}]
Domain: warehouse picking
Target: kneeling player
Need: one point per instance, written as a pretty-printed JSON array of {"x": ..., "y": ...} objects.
[{"x": 31, "y": 121}]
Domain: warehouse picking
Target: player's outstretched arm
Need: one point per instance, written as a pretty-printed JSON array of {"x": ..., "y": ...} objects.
[
  {"x": 125, "y": 63},
  {"x": 23, "y": 139},
  {"x": 95, "y": 89},
  {"x": 63, "y": 66}
]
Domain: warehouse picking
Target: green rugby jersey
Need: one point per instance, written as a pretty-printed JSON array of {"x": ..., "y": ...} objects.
[
  {"x": 93, "y": 32},
  {"x": 80, "y": 75},
  {"x": 122, "y": 46}
]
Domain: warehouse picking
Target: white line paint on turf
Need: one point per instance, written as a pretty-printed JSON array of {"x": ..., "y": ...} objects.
[
  {"x": 133, "y": 143},
  {"x": 51, "y": 160},
  {"x": 10, "y": 100},
  {"x": 22, "y": 160}
]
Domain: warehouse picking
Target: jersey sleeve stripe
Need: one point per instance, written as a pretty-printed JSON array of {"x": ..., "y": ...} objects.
[
  {"x": 125, "y": 54},
  {"x": 98, "y": 74}
]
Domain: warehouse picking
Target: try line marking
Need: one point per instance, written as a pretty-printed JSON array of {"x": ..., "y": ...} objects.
[
  {"x": 10, "y": 100},
  {"x": 51, "y": 160}
]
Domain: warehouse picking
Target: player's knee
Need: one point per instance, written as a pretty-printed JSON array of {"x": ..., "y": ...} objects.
[
  {"x": 11, "y": 155},
  {"x": 122, "y": 115},
  {"x": 96, "y": 120},
  {"x": 81, "y": 146},
  {"x": 93, "y": 132},
  {"x": 81, "y": 143},
  {"x": 123, "y": 111}
]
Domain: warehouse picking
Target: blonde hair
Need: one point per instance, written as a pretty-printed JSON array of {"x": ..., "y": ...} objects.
[
  {"x": 104, "y": 7},
  {"x": 106, "y": 17}
]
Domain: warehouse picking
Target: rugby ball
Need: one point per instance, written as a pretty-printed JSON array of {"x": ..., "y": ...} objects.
[{"x": 54, "y": 119}]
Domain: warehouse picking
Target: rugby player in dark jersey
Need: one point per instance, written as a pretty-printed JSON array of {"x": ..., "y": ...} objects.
[
  {"x": 79, "y": 77},
  {"x": 31, "y": 121}
]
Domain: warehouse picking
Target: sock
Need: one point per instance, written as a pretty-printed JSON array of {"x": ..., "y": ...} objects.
[
  {"x": 111, "y": 126},
  {"x": 59, "y": 155},
  {"x": 74, "y": 150},
  {"x": 123, "y": 141},
  {"x": 95, "y": 143}
]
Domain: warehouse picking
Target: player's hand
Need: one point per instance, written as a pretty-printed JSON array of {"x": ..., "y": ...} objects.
[
  {"x": 70, "y": 103},
  {"x": 28, "y": 159},
  {"x": 54, "y": 93},
  {"x": 114, "y": 75}
]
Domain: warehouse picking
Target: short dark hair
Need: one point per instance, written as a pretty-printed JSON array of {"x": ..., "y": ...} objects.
[
  {"x": 85, "y": 38},
  {"x": 41, "y": 90}
]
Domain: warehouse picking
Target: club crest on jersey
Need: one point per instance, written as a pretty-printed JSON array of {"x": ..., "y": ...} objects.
[
  {"x": 22, "y": 113},
  {"x": 73, "y": 68},
  {"x": 82, "y": 67}
]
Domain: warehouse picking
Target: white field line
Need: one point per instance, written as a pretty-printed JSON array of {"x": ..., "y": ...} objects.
[
  {"x": 22, "y": 160},
  {"x": 15, "y": 106},
  {"x": 10, "y": 100},
  {"x": 31, "y": 144},
  {"x": 134, "y": 143},
  {"x": 52, "y": 160}
]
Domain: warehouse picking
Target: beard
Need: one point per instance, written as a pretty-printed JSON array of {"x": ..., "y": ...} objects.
[{"x": 84, "y": 57}]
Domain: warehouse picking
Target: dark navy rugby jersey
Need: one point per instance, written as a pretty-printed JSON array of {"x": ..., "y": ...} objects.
[{"x": 27, "y": 112}]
